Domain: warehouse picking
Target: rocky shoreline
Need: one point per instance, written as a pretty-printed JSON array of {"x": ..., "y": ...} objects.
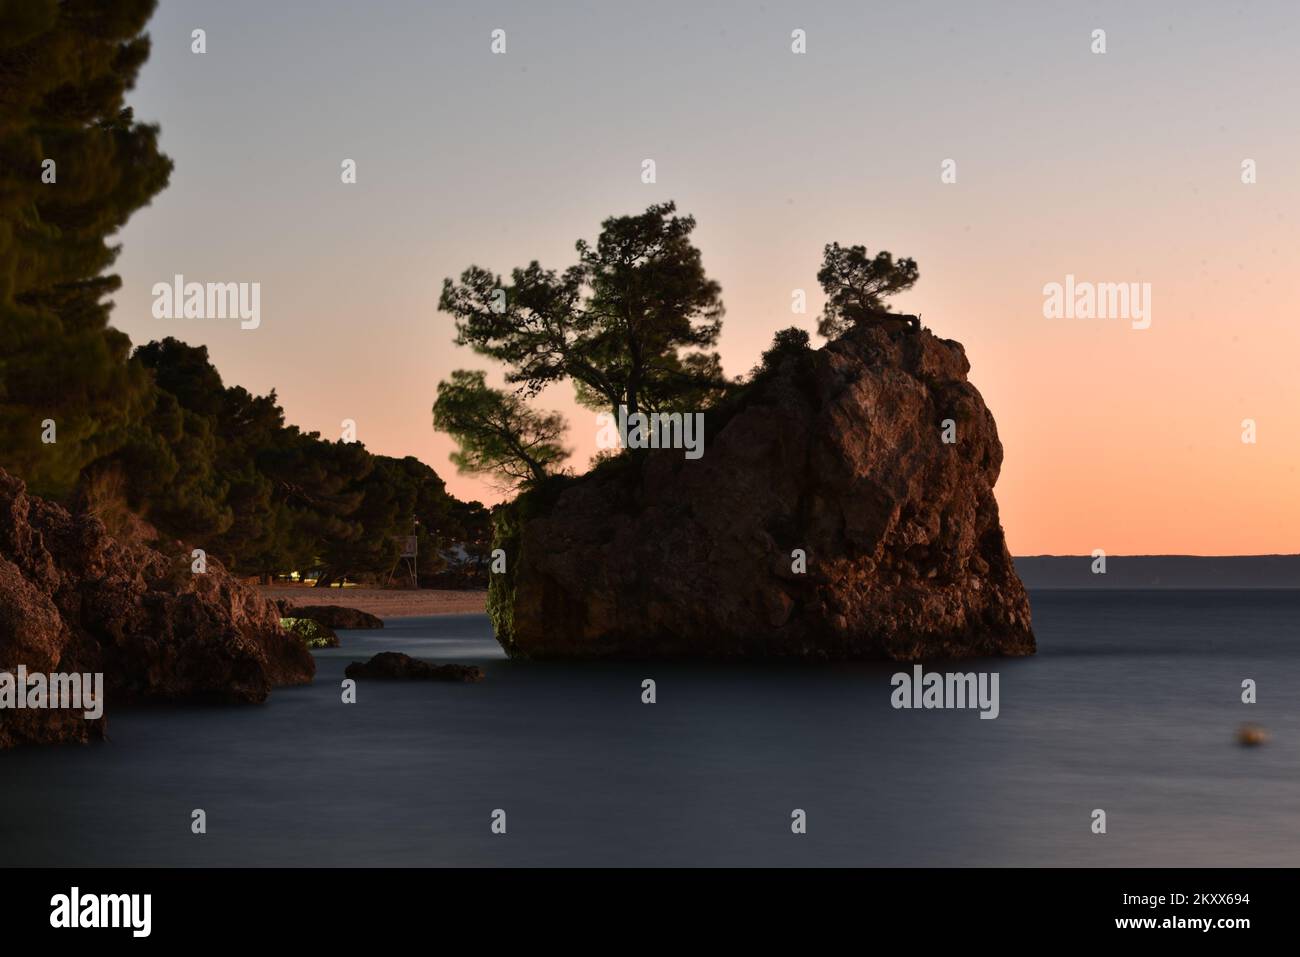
[
  {"x": 75, "y": 600},
  {"x": 844, "y": 509}
]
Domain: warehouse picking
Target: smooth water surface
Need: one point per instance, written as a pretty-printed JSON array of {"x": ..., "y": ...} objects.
[{"x": 1130, "y": 706}]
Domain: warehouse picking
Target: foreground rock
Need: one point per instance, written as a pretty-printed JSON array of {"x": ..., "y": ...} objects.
[
  {"x": 73, "y": 599},
  {"x": 332, "y": 616},
  {"x": 392, "y": 665},
  {"x": 836, "y": 453}
]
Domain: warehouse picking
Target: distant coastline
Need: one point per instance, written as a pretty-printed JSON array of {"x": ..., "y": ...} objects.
[{"x": 1161, "y": 571}]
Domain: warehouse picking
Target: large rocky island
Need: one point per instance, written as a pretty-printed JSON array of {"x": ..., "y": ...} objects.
[
  {"x": 837, "y": 454},
  {"x": 74, "y": 599}
]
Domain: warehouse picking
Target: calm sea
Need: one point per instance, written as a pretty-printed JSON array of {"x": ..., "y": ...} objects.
[{"x": 1130, "y": 706}]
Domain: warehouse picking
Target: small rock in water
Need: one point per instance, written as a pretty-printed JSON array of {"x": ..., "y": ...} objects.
[
  {"x": 333, "y": 616},
  {"x": 394, "y": 665},
  {"x": 1250, "y": 735},
  {"x": 313, "y": 633}
]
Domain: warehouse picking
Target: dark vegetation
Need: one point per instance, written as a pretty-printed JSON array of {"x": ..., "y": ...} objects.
[
  {"x": 154, "y": 437},
  {"x": 154, "y": 442},
  {"x": 631, "y": 325}
]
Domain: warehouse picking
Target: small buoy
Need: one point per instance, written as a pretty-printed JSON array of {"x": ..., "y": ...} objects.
[{"x": 1250, "y": 735}]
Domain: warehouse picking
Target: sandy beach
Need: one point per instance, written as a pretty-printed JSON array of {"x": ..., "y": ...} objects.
[{"x": 384, "y": 602}]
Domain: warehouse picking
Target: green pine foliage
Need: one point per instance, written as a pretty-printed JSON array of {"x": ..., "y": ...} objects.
[
  {"x": 64, "y": 71},
  {"x": 200, "y": 461}
]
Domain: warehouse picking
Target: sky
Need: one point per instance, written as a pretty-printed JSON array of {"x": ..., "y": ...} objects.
[{"x": 1117, "y": 167}]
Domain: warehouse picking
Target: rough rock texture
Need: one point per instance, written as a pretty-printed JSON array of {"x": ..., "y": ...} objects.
[
  {"x": 837, "y": 452},
  {"x": 73, "y": 599},
  {"x": 313, "y": 633},
  {"x": 332, "y": 616},
  {"x": 395, "y": 665}
]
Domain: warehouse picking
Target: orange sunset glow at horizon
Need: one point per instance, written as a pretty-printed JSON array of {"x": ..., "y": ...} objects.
[{"x": 1182, "y": 437}]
